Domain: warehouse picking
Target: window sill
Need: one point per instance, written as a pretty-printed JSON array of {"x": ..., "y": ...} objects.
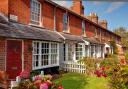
[
  {"x": 35, "y": 25},
  {"x": 43, "y": 67},
  {"x": 66, "y": 32}
]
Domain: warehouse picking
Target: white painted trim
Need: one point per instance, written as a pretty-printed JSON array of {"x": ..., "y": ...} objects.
[
  {"x": 40, "y": 17},
  {"x": 32, "y": 56},
  {"x": 83, "y": 24},
  {"x": 74, "y": 51},
  {"x": 22, "y": 55},
  {"x": 61, "y": 35},
  {"x": 68, "y": 26},
  {"x": 86, "y": 42},
  {"x": 49, "y": 56},
  {"x": 42, "y": 67},
  {"x": 66, "y": 54},
  {"x": 58, "y": 52},
  {"x": 54, "y": 18},
  {"x": 68, "y": 23}
]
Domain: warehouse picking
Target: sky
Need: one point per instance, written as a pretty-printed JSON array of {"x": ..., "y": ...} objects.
[{"x": 115, "y": 12}]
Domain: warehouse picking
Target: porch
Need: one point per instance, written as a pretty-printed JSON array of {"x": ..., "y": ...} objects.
[{"x": 77, "y": 50}]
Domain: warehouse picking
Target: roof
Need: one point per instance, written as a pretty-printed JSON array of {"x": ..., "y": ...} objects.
[
  {"x": 71, "y": 37},
  {"x": 93, "y": 40},
  {"x": 21, "y": 31},
  {"x": 17, "y": 30},
  {"x": 80, "y": 16}
]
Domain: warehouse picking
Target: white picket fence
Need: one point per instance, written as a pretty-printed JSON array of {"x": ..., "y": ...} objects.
[{"x": 72, "y": 66}]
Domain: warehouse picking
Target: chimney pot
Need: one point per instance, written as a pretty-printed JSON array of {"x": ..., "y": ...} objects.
[
  {"x": 103, "y": 23},
  {"x": 94, "y": 18},
  {"x": 78, "y": 7}
]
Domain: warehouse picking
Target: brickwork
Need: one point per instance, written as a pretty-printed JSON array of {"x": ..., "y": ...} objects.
[
  {"x": 20, "y": 8},
  {"x": 4, "y": 6},
  {"x": 59, "y": 19},
  {"x": 75, "y": 25},
  {"x": 89, "y": 30},
  {"x": 2, "y": 54},
  {"x": 27, "y": 54},
  {"x": 48, "y": 16}
]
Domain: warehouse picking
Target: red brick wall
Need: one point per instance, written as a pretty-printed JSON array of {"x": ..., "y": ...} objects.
[
  {"x": 75, "y": 24},
  {"x": 48, "y": 16},
  {"x": 2, "y": 54},
  {"x": 20, "y": 8},
  {"x": 59, "y": 19},
  {"x": 90, "y": 32},
  {"x": 4, "y": 6},
  {"x": 27, "y": 54}
]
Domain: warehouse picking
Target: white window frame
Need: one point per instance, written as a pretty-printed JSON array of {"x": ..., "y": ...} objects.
[
  {"x": 40, "y": 14},
  {"x": 84, "y": 27},
  {"x": 67, "y": 23},
  {"x": 50, "y": 64},
  {"x": 79, "y": 53}
]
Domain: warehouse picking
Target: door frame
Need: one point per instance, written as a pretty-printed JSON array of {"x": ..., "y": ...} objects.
[{"x": 22, "y": 52}]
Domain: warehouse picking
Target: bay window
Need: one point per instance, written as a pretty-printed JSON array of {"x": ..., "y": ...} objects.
[
  {"x": 79, "y": 51},
  {"x": 45, "y": 54},
  {"x": 35, "y": 17}
]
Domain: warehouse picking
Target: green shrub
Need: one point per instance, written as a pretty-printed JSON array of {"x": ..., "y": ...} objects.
[
  {"x": 126, "y": 55},
  {"x": 110, "y": 60},
  {"x": 114, "y": 46},
  {"x": 108, "y": 55},
  {"x": 90, "y": 64},
  {"x": 119, "y": 77},
  {"x": 25, "y": 85}
]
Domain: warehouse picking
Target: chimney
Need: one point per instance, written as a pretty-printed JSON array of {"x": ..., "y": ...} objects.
[
  {"x": 78, "y": 7},
  {"x": 103, "y": 23},
  {"x": 94, "y": 17}
]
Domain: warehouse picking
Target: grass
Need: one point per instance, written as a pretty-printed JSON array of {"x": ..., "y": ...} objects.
[{"x": 80, "y": 81}]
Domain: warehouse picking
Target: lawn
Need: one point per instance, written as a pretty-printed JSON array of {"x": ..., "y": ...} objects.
[{"x": 80, "y": 81}]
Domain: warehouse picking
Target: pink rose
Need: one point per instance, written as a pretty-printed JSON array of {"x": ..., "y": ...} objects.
[
  {"x": 24, "y": 74},
  {"x": 44, "y": 86},
  {"x": 38, "y": 77}
]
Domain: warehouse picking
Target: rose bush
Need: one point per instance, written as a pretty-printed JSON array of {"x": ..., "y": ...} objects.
[{"x": 37, "y": 82}]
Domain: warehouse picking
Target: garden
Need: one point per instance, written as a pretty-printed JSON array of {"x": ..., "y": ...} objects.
[{"x": 109, "y": 73}]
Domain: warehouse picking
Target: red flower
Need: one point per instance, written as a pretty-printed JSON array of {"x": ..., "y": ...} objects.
[
  {"x": 105, "y": 75},
  {"x": 98, "y": 73},
  {"x": 103, "y": 68},
  {"x": 60, "y": 87},
  {"x": 24, "y": 74},
  {"x": 107, "y": 67},
  {"x": 48, "y": 82}
]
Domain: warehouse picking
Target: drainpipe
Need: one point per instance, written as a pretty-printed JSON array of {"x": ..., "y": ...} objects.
[{"x": 55, "y": 18}]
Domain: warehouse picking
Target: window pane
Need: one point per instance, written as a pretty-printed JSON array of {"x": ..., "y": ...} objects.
[
  {"x": 54, "y": 53},
  {"x": 45, "y": 54},
  {"x": 65, "y": 22},
  {"x": 79, "y": 51},
  {"x": 35, "y": 12}
]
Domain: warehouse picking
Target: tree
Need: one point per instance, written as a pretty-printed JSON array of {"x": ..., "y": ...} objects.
[{"x": 124, "y": 35}]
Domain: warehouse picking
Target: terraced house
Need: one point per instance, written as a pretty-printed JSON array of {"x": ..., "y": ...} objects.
[{"x": 41, "y": 35}]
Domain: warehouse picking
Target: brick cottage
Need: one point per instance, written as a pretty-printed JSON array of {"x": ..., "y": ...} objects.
[{"x": 40, "y": 35}]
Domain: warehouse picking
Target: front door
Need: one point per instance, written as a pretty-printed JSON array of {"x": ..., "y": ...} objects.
[{"x": 14, "y": 58}]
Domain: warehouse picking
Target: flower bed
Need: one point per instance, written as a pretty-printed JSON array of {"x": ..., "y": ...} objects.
[{"x": 39, "y": 81}]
